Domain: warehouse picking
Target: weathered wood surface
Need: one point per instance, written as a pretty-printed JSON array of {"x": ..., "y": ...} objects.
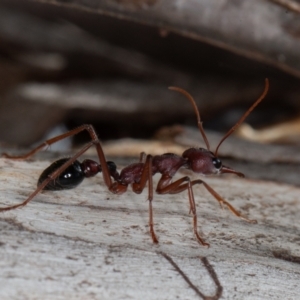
[
  {"x": 249, "y": 28},
  {"x": 88, "y": 243}
]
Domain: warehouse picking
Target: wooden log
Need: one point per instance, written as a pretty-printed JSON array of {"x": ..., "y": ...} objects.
[
  {"x": 249, "y": 28},
  {"x": 88, "y": 243}
]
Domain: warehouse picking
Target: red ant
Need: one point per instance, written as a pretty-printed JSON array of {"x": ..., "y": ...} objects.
[{"x": 67, "y": 173}]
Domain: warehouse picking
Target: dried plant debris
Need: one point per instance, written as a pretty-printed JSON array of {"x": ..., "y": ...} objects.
[{"x": 285, "y": 132}]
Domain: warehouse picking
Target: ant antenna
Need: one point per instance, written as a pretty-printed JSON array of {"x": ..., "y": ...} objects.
[
  {"x": 241, "y": 120},
  {"x": 191, "y": 99}
]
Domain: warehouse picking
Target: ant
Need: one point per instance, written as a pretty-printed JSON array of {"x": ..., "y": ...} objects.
[{"x": 68, "y": 173}]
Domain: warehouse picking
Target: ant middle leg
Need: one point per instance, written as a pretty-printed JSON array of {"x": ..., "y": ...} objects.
[
  {"x": 138, "y": 187},
  {"x": 164, "y": 187}
]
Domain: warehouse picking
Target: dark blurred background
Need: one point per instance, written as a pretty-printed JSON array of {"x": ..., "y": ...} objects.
[{"x": 63, "y": 64}]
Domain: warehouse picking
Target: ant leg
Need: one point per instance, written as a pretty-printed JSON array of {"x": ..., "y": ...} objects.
[
  {"x": 52, "y": 176},
  {"x": 142, "y": 157},
  {"x": 193, "y": 210},
  {"x": 114, "y": 187},
  {"x": 138, "y": 188},
  {"x": 223, "y": 201},
  {"x": 177, "y": 187},
  {"x": 215, "y": 195},
  {"x": 53, "y": 140}
]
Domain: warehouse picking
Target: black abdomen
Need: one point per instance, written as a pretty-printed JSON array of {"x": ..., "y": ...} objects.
[{"x": 69, "y": 179}]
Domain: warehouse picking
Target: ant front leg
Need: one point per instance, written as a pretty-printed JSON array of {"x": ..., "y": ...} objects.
[
  {"x": 223, "y": 201},
  {"x": 178, "y": 186},
  {"x": 138, "y": 188},
  {"x": 165, "y": 187}
]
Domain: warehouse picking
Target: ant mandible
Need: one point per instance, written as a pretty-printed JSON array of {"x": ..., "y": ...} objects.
[{"x": 68, "y": 173}]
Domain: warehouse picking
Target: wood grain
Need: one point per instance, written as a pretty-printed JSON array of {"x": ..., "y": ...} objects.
[
  {"x": 248, "y": 28},
  {"x": 87, "y": 243}
]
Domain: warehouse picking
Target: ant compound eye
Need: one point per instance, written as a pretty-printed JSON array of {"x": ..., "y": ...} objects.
[{"x": 217, "y": 163}]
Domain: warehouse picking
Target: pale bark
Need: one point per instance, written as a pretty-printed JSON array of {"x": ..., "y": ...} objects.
[{"x": 88, "y": 243}]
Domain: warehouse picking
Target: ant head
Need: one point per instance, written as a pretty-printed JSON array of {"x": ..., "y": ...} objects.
[
  {"x": 203, "y": 161},
  {"x": 199, "y": 122}
]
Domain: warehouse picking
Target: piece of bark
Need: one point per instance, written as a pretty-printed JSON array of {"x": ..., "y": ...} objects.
[
  {"x": 260, "y": 30},
  {"x": 90, "y": 243},
  {"x": 56, "y": 50},
  {"x": 122, "y": 102}
]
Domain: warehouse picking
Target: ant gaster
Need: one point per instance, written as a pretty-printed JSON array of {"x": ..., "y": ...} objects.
[{"x": 69, "y": 172}]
